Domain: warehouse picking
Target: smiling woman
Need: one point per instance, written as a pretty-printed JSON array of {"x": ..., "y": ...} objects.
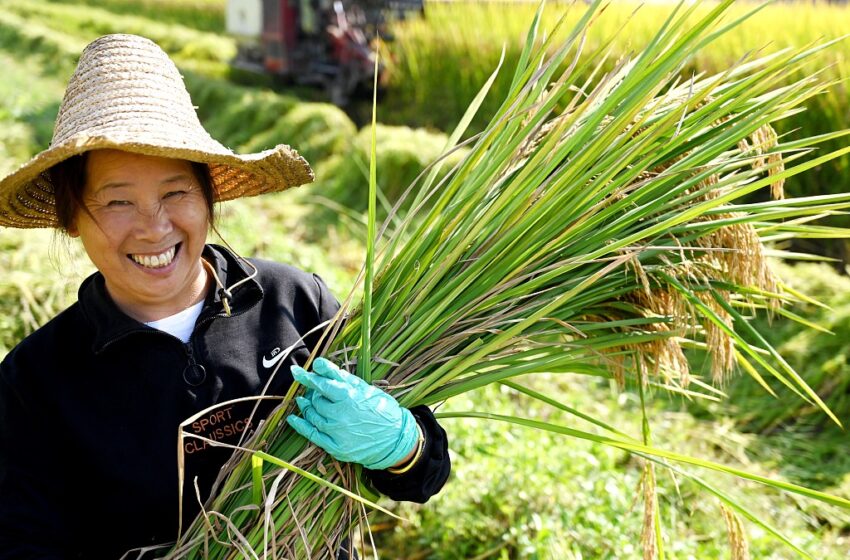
[
  {"x": 143, "y": 221},
  {"x": 168, "y": 328}
]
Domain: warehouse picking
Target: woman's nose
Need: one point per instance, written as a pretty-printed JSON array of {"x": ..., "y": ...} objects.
[{"x": 153, "y": 222}]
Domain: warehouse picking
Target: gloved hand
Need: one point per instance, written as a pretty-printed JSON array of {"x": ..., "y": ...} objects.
[{"x": 352, "y": 420}]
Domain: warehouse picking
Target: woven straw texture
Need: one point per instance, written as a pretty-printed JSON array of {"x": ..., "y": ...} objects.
[{"x": 126, "y": 94}]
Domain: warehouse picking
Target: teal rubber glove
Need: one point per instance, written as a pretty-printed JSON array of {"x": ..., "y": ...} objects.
[{"x": 352, "y": 420}]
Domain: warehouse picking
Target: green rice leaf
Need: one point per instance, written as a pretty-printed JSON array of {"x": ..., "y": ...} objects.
[{"x": 661, "y": 453}]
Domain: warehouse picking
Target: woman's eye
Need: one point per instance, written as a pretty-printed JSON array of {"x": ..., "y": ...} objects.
[
  {"x": 117, "y": 203},
  {"x": 173, "y": 194}
]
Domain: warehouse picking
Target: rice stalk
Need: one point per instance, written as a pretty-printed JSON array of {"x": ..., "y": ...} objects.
[{"x": 602, "y": 239}]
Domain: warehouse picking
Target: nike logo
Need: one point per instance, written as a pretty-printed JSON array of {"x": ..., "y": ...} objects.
[{"x": 277, "y": 355}]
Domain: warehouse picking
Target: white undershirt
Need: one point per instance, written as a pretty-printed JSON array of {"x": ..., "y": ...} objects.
[{"x": 180, "y": 324}]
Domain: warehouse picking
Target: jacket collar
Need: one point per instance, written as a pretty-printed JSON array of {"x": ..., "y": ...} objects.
[{"x": 110, "y": 324}]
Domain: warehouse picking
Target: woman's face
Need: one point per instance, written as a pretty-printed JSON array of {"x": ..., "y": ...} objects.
[{"x": 146, "y": 229}]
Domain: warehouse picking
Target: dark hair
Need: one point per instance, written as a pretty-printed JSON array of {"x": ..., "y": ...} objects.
[{"x": 69, "y": 179}]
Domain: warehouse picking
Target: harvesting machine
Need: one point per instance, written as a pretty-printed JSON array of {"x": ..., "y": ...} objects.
[{"x": 324, "y": 43}]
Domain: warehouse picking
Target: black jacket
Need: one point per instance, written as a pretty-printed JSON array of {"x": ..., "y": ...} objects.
[{"x": 90, "y": 405}]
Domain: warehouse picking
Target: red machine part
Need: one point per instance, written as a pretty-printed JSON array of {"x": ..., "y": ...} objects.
[{"x": 280, "y": 27}]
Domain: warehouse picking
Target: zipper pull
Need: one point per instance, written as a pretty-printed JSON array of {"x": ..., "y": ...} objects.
[{"x": 194, "y": 374}]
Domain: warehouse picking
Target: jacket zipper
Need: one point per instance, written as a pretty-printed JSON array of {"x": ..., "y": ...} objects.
[{"x": 194, "y": 373}]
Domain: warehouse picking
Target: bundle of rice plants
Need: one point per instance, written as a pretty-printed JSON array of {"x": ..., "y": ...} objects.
[{"x": 603, "y": 239}]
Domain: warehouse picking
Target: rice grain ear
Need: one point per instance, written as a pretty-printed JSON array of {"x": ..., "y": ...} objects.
[
  {"x": 650, "y": 512},
  {"x": 738, "y": 544},
  {"x": 721, "y": 348}
]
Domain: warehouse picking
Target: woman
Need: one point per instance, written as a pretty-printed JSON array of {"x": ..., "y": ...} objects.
[{"x": 90, "y": 404}]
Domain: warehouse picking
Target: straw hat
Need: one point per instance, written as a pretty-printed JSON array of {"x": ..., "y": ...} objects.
[{"x": 127, "y": 94}]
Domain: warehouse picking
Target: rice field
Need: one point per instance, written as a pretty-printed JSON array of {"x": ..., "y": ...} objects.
[
  {"x": 554, "y": 499},
  {"x": 440, "y": 62}
]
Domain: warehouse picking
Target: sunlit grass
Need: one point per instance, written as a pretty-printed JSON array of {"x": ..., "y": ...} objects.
[{"x": 284, "y": 227}]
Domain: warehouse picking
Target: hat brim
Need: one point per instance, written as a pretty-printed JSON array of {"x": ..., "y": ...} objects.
[{"x": 27, "y": 197}]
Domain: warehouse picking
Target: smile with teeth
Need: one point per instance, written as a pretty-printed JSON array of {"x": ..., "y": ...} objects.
[{"x": 155, "y": 261}]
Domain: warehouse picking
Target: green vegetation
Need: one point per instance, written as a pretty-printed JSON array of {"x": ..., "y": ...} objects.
[
  {"x": 26, "y": 113},
  {"x": 515, "y": 492},
  {"x": 38, "y": 282},
  {"x": 320, "y": 130},
  {"x": 521, "y": 493},
  {"x": 823, "y": 354},
  {"x": 439, "y": 63},
  {"x": 246, "y": 119},
  {"x": 204, "y": 15},
  {"x": 794, "y": 438},
  {"x": 180, "y": 41},
  {"x": 603, "y": 240},
  {"x": 402, "y": 154}
]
